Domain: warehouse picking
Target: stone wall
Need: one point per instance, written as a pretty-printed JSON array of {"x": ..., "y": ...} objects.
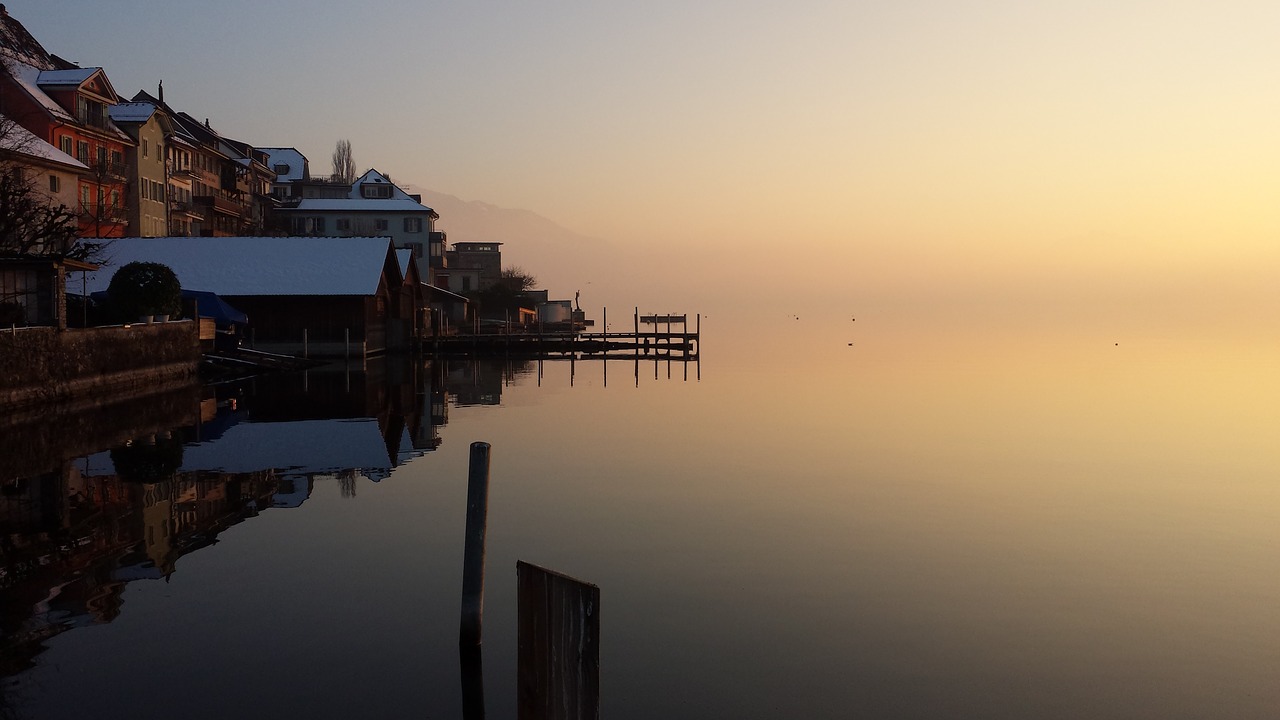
[{"x": 42, "y": 365}]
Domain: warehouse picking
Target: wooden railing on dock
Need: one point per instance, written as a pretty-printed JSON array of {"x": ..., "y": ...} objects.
[{"x": 681, "y": 344}]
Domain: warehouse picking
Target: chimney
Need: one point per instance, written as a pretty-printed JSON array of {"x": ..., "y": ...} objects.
[{"x": 161, "y": 91}]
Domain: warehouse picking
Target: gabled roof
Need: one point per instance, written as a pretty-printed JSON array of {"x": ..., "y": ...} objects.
[
  {"x": 132, "y": 112},
  {"x": 399, "y": 202},
  {"x": 29, "y": 79},
  {"x": 92, "y": 79},
  {"x": 72, "y": 78},
  {"x": 24, "y": 142},
  {"x": 296, "y": 161},
  {"x": 231, "y": 266},
  {"x": 18, "y": 44}
]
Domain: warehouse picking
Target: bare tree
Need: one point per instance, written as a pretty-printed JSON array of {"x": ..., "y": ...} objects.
[
  {"x": 32, "y": 222},
  {"x": 517, "y": 280},
  {"x": 344, "y": 164}
]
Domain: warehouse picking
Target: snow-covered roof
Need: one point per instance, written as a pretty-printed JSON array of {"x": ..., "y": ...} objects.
[
  {"x": 398, "y": 202},
  {"x": 24, "y": 142},
  {"x": 232, "y": 266},
  {"x": 303, "y": 447},
  {"x": 360, "y": 204},
  {"x": 73, "y": 77},
  {"x": 26, "y": 77},
  {"x": 404, "y": 256},
  {"x": 132, "y": 112},
  {"x": 286, "y": 156}
]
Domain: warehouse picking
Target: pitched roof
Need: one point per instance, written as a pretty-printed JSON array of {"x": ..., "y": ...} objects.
[
  {"x": 132, "y": 112},
  {"x": 296, "y": 161},
  {"x": 17, "y": 43},
  {"x": 24, "y": 142},
  {"x": 27, "y": 78},
  {"x": 400, "y": 201},
  {"x": 232, "y": 266},
  {"x": 71, "y": 77}
]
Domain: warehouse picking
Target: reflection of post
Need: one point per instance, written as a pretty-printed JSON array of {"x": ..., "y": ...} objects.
[
  {"x": 472, "y": 682},
  {"x": 473, "y": 552}
]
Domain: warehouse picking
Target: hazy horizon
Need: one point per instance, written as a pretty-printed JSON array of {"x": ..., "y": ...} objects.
[{"x": 1104, "y": 168}]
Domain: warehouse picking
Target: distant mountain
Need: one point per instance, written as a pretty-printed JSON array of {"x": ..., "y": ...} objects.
[{"x": 561, "y": 259}]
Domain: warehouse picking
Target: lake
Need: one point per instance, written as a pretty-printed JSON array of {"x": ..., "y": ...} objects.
[{"x": 812, "y": 522}]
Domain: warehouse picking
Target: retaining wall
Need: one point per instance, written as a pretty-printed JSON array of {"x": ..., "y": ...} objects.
[{"x": 43, "y": 365}]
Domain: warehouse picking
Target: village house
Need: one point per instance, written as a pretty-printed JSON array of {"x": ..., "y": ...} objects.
[
  {"x": 473, "y": 266},
  {"x": 147, "y": 206},
  {"x": 217, "y": 186},
  {"x": 290, "y": 168},
  {"x": 331, "y": 297},
  {"x": 372, "y": 205},
  {"x": 68, "y": 107}
]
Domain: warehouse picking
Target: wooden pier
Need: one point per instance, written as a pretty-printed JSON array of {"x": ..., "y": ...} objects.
[{"x": 666, "y": 341}]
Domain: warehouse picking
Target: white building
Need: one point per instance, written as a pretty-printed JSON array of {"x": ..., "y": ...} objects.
[{"x": 370, "y": 206}]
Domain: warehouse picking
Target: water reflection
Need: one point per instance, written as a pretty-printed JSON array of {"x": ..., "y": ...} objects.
[{"x": 92, "y": 498}]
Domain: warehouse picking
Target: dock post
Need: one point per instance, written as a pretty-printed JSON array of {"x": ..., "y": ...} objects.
[
  {"x": 304, "y": 343},
  {"x": 346, "y": 341},
  {"x": 473, "y": 552}
]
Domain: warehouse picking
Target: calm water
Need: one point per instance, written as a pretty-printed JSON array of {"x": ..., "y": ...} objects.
[{"x": 904, "y": 527}]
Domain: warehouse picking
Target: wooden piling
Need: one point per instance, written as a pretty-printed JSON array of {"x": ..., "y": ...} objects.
[
  {"x": 558, "y": 638},
  {"x": 473, "y": 552}
]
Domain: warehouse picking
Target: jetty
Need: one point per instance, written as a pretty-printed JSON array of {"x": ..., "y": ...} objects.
[{"x": 662, "y": 337}]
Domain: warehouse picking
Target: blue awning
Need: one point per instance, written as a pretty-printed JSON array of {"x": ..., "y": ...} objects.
[{"x": 212, "y": 306}]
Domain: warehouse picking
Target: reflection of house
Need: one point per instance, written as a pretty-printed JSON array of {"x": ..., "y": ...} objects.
[{"x": 315, "y": 296}]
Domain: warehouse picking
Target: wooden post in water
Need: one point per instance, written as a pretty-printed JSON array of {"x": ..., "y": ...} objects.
[
  {"x": 558, "y": 666},
  {"x": 304, "y": 343},
  {"x": 473, "y": 552}
]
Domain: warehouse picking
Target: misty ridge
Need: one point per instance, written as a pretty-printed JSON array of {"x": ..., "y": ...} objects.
[{"x": 561, "y": 259}]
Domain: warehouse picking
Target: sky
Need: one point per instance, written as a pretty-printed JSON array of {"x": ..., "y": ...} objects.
[{"x": 996, "y": 157}]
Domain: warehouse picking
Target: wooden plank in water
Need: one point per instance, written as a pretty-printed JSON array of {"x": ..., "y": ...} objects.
[{"x": 559, "y": 646}]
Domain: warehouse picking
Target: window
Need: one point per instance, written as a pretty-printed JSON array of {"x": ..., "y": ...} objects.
[
  {"x": 308, "y": 225},
  {"x": 374, "y": 190},
  {"x": 55, "y": 183},
  {"x": 466, "y": 284},
  {"x": 146, "y": 152},
  {"x": 64, "y": 144},
  {"x": 281, "y": 168},
  {"x": 413, "y": 225},
  {"x": 82, "y": 151},
  {"x": 86, "y": 198},
  {"x": 380, "y": 224},
  {"x": 343, "y": 224}
]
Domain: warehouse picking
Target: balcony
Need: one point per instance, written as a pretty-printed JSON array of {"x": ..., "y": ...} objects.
[
  {"x": 184, "y": 208},
  {"x": 102, "y": 213},
  {"x": 221, "y": 204}
]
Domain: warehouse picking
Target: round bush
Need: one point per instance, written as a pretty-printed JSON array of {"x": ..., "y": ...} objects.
[{"x": 145, "y": 288}]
